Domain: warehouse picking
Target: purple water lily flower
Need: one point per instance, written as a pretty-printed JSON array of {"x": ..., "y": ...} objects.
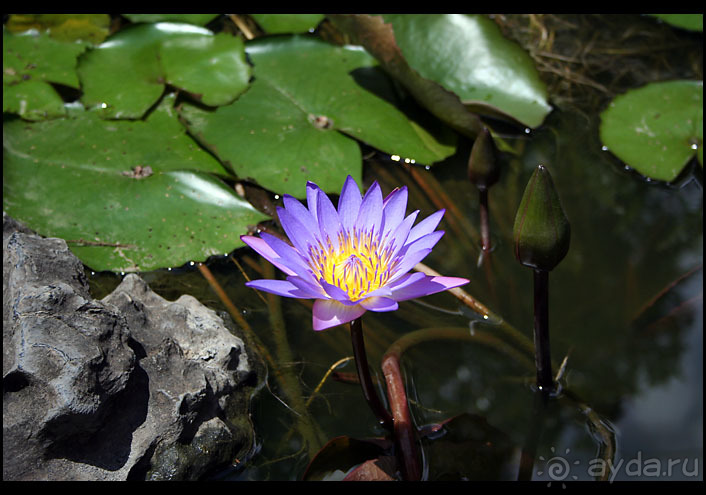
[{"x": 353, "y": 259}]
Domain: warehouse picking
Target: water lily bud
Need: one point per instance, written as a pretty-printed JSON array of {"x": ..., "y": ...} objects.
[
  {"x": 483, "y": 170},
  {"x": 541, "y": 233}
]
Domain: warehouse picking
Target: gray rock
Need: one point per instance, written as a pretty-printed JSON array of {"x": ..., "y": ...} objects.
[{"x": 128, "y": 387}]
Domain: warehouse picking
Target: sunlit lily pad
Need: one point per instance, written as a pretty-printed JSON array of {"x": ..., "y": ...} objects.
[
  {"x": 126, "y": 195},
  {"x": 295, "y": 122},
  {"x": 287, "y": 23},
  {"x": 468, "y": 55},
  {"x": 30, "y": 62},
  {"x": 196, "y": 19},
  {"x": 153, "y": 52},
  {"x": 656, "y": 129}
]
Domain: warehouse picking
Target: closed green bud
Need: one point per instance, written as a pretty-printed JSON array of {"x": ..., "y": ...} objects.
[
  {"x": 483, "y": 169},
  {"x": 541, "y": 233}
]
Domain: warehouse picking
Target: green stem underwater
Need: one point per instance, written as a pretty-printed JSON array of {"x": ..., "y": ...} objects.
[
  {"x": 484, "y": 220},
  {"x": 543, "y": 362}
]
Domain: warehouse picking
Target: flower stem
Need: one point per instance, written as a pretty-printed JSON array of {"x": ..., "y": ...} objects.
[
  {"x": 484, "y": 219},
  {"x": 542, "y": 355},
  {"x": 361, "y": 362}
]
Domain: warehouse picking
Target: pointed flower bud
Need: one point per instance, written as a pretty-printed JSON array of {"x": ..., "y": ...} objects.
[
  {"x": 541, "y": 233},
  {"x": 483, "y": 169}
]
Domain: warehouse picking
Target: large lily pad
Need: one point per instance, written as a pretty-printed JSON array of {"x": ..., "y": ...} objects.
[
  {"x": 468, "y": 55},
  {"x": 371, "y": 32},
  {"x": 31, "y": 62},
  {"x": 656, "y": 129},
  {"x": 292, "y": 124},
  {"x": 287, "y": 23},
  {"x": 126, "y": 195},
  {"x": 197, "y": 19},
  {"x": 455, "y": 65},
  {"x": 124, "y": 76}
]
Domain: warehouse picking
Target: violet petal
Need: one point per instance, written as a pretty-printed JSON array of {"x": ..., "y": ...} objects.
[
  {"x": 312, "y": 193},
  {"x": 329, "y": 313},
  {"x": 301, "y": 212},
  {"x": 426, "y": 226},
  {"x": 425, "y": 242},
  {"x": 314, "y": 289},
  {"x": 378, "y": 303},
  {"x": 329, "y": 221},
  {"x": 408, "y": 262},
  {"x": 336, "y": 293},
  {"x": 279, "y": 287},
  {"x": 394, "y": 208},
  {"x": 288, "y": 256},
  {"x": 425, "y": 286},
  {"x": 370, "y": 214},
  {"x": 401, "y": 234},
  {"x": 264, "y": 250},
  {"x": 349, "y": 203},
  {"x": 296, "y": 231}
]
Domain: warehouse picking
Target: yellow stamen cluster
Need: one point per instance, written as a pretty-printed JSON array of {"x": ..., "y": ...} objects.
[{"x": 358, "y": 264}]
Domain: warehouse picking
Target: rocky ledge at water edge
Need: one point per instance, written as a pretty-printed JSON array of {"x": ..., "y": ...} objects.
[{"x": 128, "y": 387}]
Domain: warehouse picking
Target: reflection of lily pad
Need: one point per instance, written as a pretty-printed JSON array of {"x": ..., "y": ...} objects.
[
  {"x": 127, "y": 195},
  {"x": 656, "y": 129},
  {"x": 468, "y": 55},
  {"x": 289, "y": 126},
  {"x": 153, "y": 52},
  {"x": 30, "y": 62}
]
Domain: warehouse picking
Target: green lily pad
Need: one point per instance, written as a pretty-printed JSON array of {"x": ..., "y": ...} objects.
[
  {"x": 692, "y": 22},
  {"x": 92, "y": 28},
  {"x": 196, "y": 19},
  {"x": 656, "y": 129},
  {"x": 126, "y": 195},
  {"x": 37, "y": 56},
  {"x": 377, "y": 37},
  {"x": 32, "y": 100},
  {"x": 468, "y": 56},
  {"x": 30, "y": 63},
  {"x": 295, "y": 122},
  {"x": 287, "y": 23},
  {"x": 211, "y": 67}
]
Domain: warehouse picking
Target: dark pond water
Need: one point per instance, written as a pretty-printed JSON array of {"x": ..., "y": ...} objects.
[{"x": 626, "y": 311}]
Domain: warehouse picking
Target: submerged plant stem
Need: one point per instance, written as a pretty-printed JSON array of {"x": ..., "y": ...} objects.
[
  {"x": 288, "y": 379},
  {"x": 366, "y": 382}
]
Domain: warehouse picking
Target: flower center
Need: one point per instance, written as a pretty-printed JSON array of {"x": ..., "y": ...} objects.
[{"x": 358, "y": 266}]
